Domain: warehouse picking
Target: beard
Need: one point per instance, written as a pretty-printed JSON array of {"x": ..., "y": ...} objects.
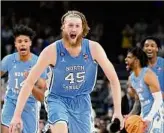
[
  {"x": 130, "y": 67},
  {"x": 72, "y": 42}
]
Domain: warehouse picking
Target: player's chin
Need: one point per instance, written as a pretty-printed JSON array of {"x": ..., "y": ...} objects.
[
  {"x": 149, "y": 55},
  {"x": 23, "y": 53}
]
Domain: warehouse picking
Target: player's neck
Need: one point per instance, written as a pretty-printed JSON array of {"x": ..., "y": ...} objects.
[
  {"x": 152, "y": 61},
  {"x": 26, "y": 57},
  {"x": 73, "y": 51},
  {"x": 137, "y": 71},
  {"x": 69, "y": 46}
]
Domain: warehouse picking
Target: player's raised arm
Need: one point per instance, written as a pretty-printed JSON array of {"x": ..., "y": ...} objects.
[
  {"x": 153, "y": 83},
  {"x": 99, "y": 55},
  {"x": 46, "y": 58}
]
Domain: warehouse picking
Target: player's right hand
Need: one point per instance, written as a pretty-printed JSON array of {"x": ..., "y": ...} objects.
[
  {"x": 145, "y": 125},
  {"x": 126, "y": 117},
  {"x": 16, "y": 125},
  {"x": 120, "y": 117}
]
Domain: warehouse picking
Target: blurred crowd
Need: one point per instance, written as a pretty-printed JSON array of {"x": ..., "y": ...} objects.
[{"x": 116, "y": 32}]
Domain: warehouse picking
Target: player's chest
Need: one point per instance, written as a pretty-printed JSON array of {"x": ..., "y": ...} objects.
[
  {"x": 138, "y": 85},
  {"x": 159, "y": 70},
  {"x": 73, "y": 64},
  {"x": 19, "y": 69}
]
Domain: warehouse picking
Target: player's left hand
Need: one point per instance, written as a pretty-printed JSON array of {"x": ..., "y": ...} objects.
[
  {"x": 120, "y": 117},
  {"x": 16, "y": 125},
  {"x": 126, "y": 117},
  {"x": 26, "y": 74},
  {"x": 145, "y": 125}
]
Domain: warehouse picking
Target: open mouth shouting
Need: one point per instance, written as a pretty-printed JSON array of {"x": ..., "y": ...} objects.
[
  {"x": 127, "y": 66},
  {"x": 23, "y": 50},
  {"x": 72, "y": 36}
]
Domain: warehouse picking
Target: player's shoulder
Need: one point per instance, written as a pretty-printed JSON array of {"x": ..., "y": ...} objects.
[
  {"x": 160, "y": 62},
  {"x": 10, "y": 57},
  {"x": 148, "y": 71},
  {"x": 57, "y": 42},
  {"x": 160, "y": 59},
  {"x": 34, "y": 56},
  {"x": 149, "y": 74},
  {"x": 53, "y": 44},
  {"x": 93, "y": 44}
]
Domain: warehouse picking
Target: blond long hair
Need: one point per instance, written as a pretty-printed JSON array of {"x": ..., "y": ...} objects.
[{"x": 79, "y": 15}]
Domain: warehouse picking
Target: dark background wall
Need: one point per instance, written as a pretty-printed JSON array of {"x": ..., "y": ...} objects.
[{"x": 113, "y": 15}]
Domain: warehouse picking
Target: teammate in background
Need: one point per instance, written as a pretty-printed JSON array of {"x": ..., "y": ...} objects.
[
  {"x": 146, "y": 86},
  {"x": 74, "y": 60},
  {"x": 18, "y": 65},
  {"x": 151, "y": 46}
]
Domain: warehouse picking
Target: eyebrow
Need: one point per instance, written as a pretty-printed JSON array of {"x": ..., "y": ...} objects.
[
  {"x": 23, "y": 39},
  {"x": 150, "y": 43}
]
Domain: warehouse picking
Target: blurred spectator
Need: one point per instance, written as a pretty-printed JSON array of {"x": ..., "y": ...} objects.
[
  {"x": 159, "y": 33},
  {"x": 127, "y": 34},
  {"x": 8, "y": 49},
  {"x": 140, "y": 28},
  {"x": 51, "y": 39},
  {"x": 125, "y": 102},
  {"x": 3, "y": 89},
  {"x": 38, "y": 46},
  {"x": 6, "y": 34},
  {"x": 66, "y": 5},
  {"x": 97, "y": 32},
  {"x": 13, "y": 19},
  {"x": 47, "y": 31},
  {"x": 27, "y": 21}
]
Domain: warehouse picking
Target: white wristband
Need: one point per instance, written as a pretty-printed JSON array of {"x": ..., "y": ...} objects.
[{"x": 156, "y": 105}]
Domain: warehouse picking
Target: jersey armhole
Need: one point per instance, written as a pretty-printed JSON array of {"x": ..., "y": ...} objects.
[
  {"x": 57, "y": 49},
  {"x": 89, "y": 52}
]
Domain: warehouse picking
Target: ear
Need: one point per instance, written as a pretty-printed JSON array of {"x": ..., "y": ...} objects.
[
  {"x": 62, "y": 27},
  {"x": 30, "y": 43},
  {"x": 136, "y": 61},
  {"x": 157, "y": 49},
  {"x": 15, "y": 44}
]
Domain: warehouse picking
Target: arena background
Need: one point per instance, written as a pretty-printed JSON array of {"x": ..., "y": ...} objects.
[{"x": 117, "y": 26}]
